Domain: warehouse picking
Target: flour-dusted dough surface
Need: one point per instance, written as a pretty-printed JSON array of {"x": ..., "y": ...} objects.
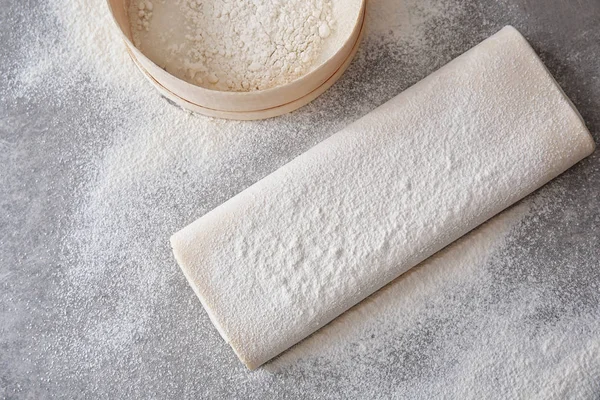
[{"x": 298, "y": 248}]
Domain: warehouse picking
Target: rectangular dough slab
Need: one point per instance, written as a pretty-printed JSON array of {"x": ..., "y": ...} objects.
[{"x": 292, "y": 252}]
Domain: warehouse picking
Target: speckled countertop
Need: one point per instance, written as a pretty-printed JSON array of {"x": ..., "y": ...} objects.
[{"x": 92, "y": 304}]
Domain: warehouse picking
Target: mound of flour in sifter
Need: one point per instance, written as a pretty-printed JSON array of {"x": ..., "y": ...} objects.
[{"x": 233, "y": 45}]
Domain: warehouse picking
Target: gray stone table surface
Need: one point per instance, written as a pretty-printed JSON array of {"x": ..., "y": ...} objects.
[{"x": 96, "y": 174}]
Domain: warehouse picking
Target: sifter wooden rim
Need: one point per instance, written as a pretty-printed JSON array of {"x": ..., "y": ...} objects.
[
  {"x": 256, "y": 101},
  {"x": 257, "y": 114}
]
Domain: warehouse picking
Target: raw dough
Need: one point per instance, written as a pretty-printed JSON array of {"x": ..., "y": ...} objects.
[{"x": 298, "y": 248}]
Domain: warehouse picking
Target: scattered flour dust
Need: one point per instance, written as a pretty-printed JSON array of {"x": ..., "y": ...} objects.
[
  {"x": 233, "y": 45},
  {"x": 444, "y": 308},
  {"x": 407, "y": 19},
  {"x": 131, "y": 325}
]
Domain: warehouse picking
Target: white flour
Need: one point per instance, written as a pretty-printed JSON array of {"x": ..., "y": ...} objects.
[
  {"x": 239, "y": 45},
  {"x": 122, "y": 322}
]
